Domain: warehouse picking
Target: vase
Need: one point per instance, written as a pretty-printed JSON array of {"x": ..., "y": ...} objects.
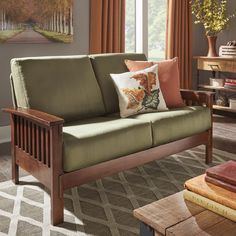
[{"x": 212, "y": 46}]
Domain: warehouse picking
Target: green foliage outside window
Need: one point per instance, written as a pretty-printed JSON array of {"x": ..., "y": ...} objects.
[
  {"x": 156, "y": 28},
  {"x": 130, "y": 26},
  {"x": 157, "y": 10}
]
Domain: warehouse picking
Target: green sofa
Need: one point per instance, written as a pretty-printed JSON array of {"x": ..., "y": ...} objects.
[{"x": 66, "y": 128}]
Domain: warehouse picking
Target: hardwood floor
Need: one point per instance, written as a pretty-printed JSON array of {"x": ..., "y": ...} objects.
[{"x": 224, "y": 138}]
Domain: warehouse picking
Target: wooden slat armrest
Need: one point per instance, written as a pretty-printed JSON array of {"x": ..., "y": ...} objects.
[
  {"x": 201, "y": 97},
  {"x": 34, "y": 115}
]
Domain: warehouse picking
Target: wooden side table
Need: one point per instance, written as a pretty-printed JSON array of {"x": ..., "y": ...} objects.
[
  {"x": 216, "y": 65},
  {"x": 175, "y": 216}
]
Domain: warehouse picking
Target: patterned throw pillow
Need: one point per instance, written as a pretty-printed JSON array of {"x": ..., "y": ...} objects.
[
  {"x": 139, "y": 92},
  {"x": 168, "y": 75}
]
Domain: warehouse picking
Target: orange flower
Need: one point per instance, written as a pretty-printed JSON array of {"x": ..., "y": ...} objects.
[
  {"x": 146, "y": 80},
  {"x": 135, "y": 97}
]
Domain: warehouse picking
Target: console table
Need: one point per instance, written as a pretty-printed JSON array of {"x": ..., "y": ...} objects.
[{"x": 216, "y": 65}]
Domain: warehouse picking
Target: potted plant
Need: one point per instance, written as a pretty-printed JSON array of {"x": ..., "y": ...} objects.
[{"x": 212, "y": 14}]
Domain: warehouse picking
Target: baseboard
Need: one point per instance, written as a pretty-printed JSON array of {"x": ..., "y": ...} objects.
[{"x": 5, "y": 134}]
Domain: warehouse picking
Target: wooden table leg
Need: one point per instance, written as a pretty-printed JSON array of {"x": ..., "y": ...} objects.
[{"x": 146, "y": 230}]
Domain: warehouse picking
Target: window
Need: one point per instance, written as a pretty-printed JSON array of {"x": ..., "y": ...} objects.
[
  {"x": 156, "y": 28},
  {"x": 130, "y": 26},
  {"x": 146, "y": 27}
]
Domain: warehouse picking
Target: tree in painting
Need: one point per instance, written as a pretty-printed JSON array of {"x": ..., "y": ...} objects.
[{"x": 36, "y": 21}]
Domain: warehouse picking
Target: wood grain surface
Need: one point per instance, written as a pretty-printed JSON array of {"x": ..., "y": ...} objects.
[{"x": 174, "y": 216}]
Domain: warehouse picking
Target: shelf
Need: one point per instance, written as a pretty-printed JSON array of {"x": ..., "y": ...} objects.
[
  {"x": 216, "y": 88},
  {"x": 217, "y": 64},
  {"x": 213, "y": 58},
  {"x": 221, "y": 108}
]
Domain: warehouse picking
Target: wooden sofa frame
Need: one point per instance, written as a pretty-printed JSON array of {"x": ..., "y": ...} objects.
[{"x": 37, "y": 142}]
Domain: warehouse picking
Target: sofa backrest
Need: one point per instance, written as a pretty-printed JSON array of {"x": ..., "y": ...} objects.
[
  {"x": 62, "y": 86},
  {"x": 104, "y": 65}
]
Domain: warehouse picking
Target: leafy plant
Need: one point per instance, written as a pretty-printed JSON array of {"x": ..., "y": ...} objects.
[{"x": 212, "y": 14}]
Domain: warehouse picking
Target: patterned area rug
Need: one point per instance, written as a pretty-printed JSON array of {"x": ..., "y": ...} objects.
[{"x": 103, "y": 207}]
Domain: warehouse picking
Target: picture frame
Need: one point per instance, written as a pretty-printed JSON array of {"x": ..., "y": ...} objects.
[{"x": 34, "y": 21}]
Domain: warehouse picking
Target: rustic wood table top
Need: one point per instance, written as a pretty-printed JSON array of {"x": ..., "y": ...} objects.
[{"x": 175, "y": 216}]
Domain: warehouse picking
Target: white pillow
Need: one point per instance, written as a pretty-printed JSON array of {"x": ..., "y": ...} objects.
[{"x": 139, "y": 92}]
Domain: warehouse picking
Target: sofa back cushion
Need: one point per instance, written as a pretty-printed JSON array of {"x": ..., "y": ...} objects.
[
  {"x": 106, "y": 64},
  {"x": 62, "y": 86}
]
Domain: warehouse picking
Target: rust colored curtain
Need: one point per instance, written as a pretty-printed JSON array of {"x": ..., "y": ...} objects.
[
  {"x": 179, "y": 38},
  {"x": 107, "y": 26}
]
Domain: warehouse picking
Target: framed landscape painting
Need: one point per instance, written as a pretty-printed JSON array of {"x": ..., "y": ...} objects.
[{"x": 36, "y": 21}]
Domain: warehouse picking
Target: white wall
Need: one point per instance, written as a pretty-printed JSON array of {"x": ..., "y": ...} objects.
[{"x": 8, "y": 51}]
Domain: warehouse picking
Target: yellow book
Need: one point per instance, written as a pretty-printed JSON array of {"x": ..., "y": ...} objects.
[
  {"x": 200, "y": 186},
  {"x": 217, "y": 208}
]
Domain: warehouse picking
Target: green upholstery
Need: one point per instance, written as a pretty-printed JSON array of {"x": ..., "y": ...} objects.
[
  {"x": 104, "y": 65},
  {"x": 104, "y": 138},
  {"x": 178, "y": 123},
  {"x": 67, "y": 87},
  {"x": 62, "y": 86}
]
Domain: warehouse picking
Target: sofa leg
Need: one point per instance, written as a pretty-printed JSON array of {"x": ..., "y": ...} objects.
[
  {"x": 57, "y": 199},
  {"x": 57, "y": 207},
  {"x": 15, "y": 173},
  {"x": 209, "y": 148},
  {"x": 14, "y": 166}
]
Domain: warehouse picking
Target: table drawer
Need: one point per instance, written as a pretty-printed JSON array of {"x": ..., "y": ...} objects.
[{"x": 217, "y": 65}]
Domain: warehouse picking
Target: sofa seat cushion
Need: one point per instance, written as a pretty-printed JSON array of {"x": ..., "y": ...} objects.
[
  {"x": 175, "y": 124},
  {"x": 100, "y": 139}
]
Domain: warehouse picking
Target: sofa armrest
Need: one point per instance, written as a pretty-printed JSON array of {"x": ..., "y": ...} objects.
[
  {"x": 36, "y": 144},
  {"x": 193, "y": 97},
  {"x": 35, "y": 116}
]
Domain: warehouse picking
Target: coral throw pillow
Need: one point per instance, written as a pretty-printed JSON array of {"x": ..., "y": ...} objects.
[
  {"x": 139, "y": 92},
  {"x": 168, "y": 74}
]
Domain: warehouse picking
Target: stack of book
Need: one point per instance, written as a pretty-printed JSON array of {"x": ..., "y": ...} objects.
[
  {"x": 230, "y": 83},
  {"x": 215, "y": 190}
]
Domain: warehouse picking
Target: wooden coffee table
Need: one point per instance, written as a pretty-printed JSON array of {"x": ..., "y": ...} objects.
[{"x": 175, "y": 216}]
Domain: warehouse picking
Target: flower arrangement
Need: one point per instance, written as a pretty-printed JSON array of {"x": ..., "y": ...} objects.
[{"x": 212, "y": 14}]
